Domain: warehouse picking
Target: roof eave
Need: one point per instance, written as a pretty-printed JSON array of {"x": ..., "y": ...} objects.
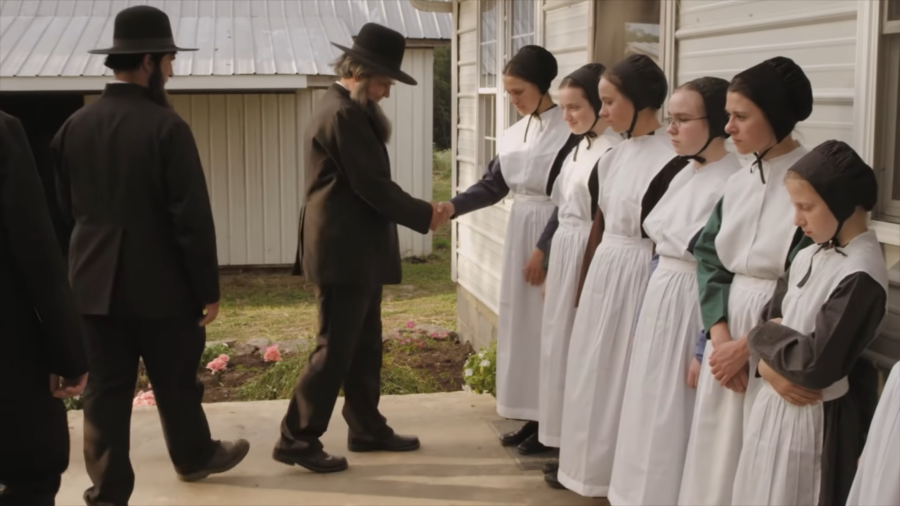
[
  {"x": 184, "y": 83},
  {"x": 432, "y": 5}
]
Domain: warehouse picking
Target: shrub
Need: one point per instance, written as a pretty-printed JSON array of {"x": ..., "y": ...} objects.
[
  {"x": 480, "y": 371},
  {"x": 210, "y": 353}
]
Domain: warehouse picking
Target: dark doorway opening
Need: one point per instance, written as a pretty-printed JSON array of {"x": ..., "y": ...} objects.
[{"x": 42, "y": 114}]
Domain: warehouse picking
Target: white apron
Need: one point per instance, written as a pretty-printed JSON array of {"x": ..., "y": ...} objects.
[
  {"x": 658, "y": 406},
  {"x": 781, "y": 458},
  {"x": 600, "y": 344},
  {"x": 877, "y": 481},
  {"x": 753, "y": 242},
  {"x": 573, "y": 199},
  {"x": 525, "y": 165}
]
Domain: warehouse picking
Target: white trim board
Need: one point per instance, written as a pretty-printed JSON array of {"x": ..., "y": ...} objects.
[{"x": 218, "y": 83}]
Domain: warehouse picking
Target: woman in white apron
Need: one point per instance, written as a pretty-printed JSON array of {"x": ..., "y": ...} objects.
[
  {"x": 658, "y": 405},
  {"x": 527, "y": 152},
  {"x": 632, "y": 181},
  {"x": 801, "y": 441},
  {"x": 744, "y": 248},
  {"x": 877, "y": 481},
  {"x": 575, "y": 194}
]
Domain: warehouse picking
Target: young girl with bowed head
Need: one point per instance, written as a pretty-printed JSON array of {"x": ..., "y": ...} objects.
[
  {"x": 618, "y": 259},
  {"x": 876, "y": 481},
  {"x": 801, "y": 441},
  {"x": 658, "y": 405},
  {"x": 747, "y": 244},
  {"x": 575, "y": 194},
  {"x": 528, "y": 151}
]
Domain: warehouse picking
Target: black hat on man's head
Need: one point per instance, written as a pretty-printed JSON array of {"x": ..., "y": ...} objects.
[
  {"x": 142, "y": 29},
  {"x": 381, "y": 49}
]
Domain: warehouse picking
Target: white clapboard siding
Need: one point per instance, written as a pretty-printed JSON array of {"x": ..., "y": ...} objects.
[
  {"x": 252, "y": 150},
  {"x": 567, "y": 25},
  {"x": 716, "y": 38}
]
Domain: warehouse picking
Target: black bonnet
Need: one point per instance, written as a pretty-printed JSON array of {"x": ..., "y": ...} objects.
[
  {"x": 588, "y": 78},
  {"x": 712, "y": 91},
  {"x": 643, "y": 82},
  {"x": 781, "y": 89},
  {"x": 535, "y": 65}
]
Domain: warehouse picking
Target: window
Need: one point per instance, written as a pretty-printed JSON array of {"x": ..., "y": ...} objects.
[
  {"x": 489, "y": 50},
  {"x": 889, "y": 95},
  {"x": 521, "y": 29},
  {"x": 625, "y": 27},
  {"x": 488, "y": 104}
]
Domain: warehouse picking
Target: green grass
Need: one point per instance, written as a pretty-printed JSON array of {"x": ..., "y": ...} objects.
[{"x": 277, "y": 306}]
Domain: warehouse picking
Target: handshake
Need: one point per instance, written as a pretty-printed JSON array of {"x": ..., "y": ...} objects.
[{"x": 440, "y": 214}]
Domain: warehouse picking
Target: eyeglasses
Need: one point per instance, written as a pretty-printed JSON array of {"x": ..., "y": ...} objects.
[{"x": 678, "y": 121}]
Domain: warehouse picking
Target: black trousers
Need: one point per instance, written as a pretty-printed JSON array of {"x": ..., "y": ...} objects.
[
  {"x": 348, "y": 354},
  {"x": 37, "y": 492},
  {"x": 171, "y": 350}
]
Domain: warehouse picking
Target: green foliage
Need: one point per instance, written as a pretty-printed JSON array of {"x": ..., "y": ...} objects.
[
  {"x": 480, "y": 371},
  {"x": 399, "y": 379},
  {"x": 442, "y": 97},
  {"x": 278, "y": 380},
  {"x": 73, "y": 403},
  {"x": 211, "y": 352}
]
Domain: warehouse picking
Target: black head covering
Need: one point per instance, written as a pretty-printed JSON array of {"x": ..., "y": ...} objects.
[
  {"x": 643, "y": 82},
  {"x": 713, "y": 91},
  {"x": 535, "y": 65},
  {"x": 781, "y": 89},
  {"x": 842, "y": 179},
  {"x": 587, "y": 78}
]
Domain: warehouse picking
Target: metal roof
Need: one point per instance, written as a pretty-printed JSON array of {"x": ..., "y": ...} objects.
[{"x": 50, "y": 38}]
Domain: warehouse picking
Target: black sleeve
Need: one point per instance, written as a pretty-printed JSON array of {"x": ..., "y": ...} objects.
[
  {"x": 658, "y": 187},
  {"x": 63, "y": 191},
  {"x": 485, "y": 193},
  {"x": 190, "y": 211},
  {"x": 556, "y": 167},
  {"x": 543, "y": 243},
  {"x": 845, "y": 326},
  {"x": 25, "y": 219},
  {"x": 352, "y": 133},
  {"x": 594, "y": 187}
]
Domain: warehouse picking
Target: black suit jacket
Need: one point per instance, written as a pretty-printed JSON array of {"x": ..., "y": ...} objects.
[
  {"x": 40, "y": 329},
  {"x": 348, "y": 226},
  {"x": 132, "y": 189}
]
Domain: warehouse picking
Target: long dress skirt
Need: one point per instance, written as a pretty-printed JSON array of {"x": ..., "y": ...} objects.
[
  {"x": 781, "y": 461},
  {"x": 567, "y": 254},
  {"x": 521, "y": 309},
  {"x": 597, "y": 368},
  {"x": 717, "y": 428},
  {"x": 877, "y": 481},
  {"x": 658, "y": 406}
]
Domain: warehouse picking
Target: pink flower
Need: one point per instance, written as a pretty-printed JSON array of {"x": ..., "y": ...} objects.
[
  {"x": 218, "y": 364},
  {"x": 405, "y": 341},
  {"x": 410, "y": 324},
  {"x": 145, "y": 399},
  {"x": 442, "y": 335},
  {"x": 272, "y": 354},
  {"x": 420, "y": 344}
]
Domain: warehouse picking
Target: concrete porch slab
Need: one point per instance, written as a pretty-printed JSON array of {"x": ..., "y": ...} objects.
[{"x": 460, "y": 461}]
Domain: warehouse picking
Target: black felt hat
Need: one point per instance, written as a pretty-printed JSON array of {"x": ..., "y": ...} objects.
[
  {"x": 380, "y": 48},
  {"x": 142, "y": 29}
]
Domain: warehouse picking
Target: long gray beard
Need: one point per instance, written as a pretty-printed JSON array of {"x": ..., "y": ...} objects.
[{"x": 378, "y": 119}]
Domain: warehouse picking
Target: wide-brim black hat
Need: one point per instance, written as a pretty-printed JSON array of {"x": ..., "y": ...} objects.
[
  {"x": 381, "y": 49},
  {"x": 142, "y": 29}
]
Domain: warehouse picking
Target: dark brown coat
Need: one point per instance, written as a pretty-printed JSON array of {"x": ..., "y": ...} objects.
[
  {"x": 131, "y": 185},
  {"x": 348, "y": 226}
]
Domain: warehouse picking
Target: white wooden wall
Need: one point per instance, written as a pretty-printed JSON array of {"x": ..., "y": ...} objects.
[
  {"x": 567, "y": 24},
  {"x": 252, "y": 150}
]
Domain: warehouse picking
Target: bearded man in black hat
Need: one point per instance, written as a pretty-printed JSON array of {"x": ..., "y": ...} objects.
[
  {"x": 142, "y": 259},
  {"x": 348, "y": 249},
  {"x": 41, "y": 334}
]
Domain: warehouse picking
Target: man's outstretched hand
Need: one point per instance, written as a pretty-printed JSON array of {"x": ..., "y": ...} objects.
[{"x": 441, "y": 214}]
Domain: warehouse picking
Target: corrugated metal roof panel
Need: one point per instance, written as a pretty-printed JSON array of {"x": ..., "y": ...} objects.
[{"x": 48, "y": 38}]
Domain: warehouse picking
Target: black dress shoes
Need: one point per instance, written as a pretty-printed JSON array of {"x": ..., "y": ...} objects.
[
  {"x": 532, "y": 446},
  {"x": 551, "y": 467},
  {"x": 317, "y": 461},
  {"x": 517, "y": 437},
  {"x": 552, "y": 481},
  {"x": 226, "y": 456},
  {"x": 395, "y": 443}
]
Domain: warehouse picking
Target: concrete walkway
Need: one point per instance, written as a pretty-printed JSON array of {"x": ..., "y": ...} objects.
[{"x": 460, "y": 461}]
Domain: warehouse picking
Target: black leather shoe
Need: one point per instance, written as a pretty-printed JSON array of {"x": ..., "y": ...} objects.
[
  {"x": 227, "y": 455},
  {"x": 551, "y": 479},
  {"x": 551, "y": 467},
  {"x": 395, "y": 443},
  {"x": 516, "y": 437},
  {"x": 317, "y": 461},
  {"x": 532, "y": 446}
]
